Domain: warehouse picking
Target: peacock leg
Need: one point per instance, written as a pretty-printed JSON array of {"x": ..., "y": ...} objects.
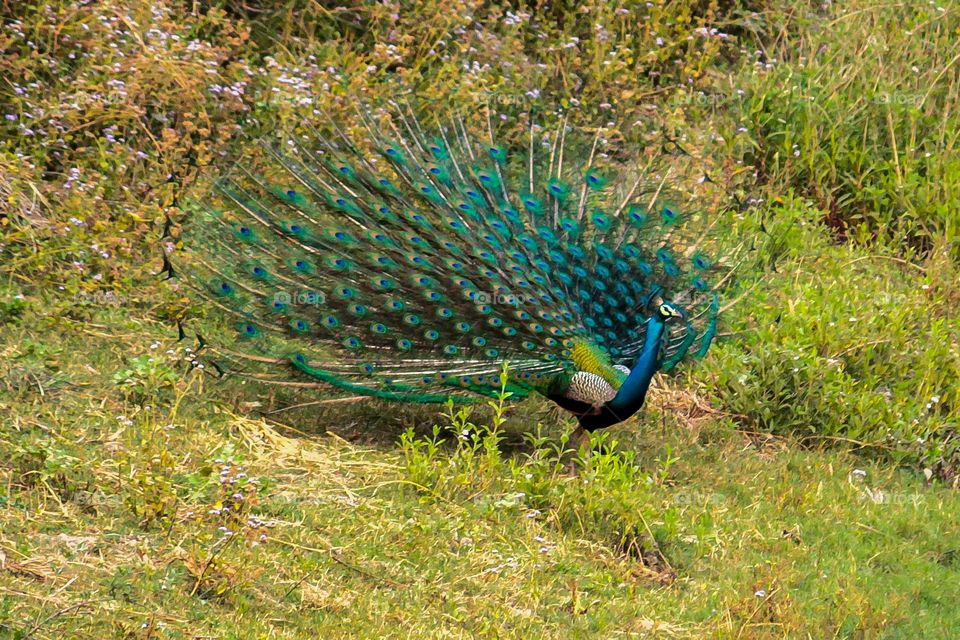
[
  {"x": 579, "y": 447},
  {"x": 581, "y": 441}
]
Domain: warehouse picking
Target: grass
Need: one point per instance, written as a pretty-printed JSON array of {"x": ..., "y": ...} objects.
[
  {"x": 799, "y": 483},
  {"x": 842, "y": 342},
  {"x": 862, "y": 122},
  {"x": 685, "y": 527}
]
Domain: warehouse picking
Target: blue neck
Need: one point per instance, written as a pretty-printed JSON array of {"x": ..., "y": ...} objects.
[{"x": 632, "y": 392}]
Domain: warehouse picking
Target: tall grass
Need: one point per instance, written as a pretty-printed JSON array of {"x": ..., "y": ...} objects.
[
  {"x": 113, "y": 108},
  {"x": 841, "y": 345},
  {"x": 857, "y": 106}
]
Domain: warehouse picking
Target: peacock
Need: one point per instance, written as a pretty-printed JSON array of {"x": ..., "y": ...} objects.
[{"x": 408, "y": 255}]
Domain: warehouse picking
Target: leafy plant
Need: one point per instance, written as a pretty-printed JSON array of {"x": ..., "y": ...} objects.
[
  {"x": 146, "y": 377},
  {"x": 843, "y": 346}
]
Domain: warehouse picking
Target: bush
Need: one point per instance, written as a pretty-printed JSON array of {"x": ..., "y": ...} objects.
[
  {"x": 856, "y": 107},
  {"x": 608, "y": 500},
  {"x": 841, "y": 343}
]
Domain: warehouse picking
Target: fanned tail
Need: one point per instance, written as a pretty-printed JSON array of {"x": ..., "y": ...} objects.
[{"x": 408, "y": 261}]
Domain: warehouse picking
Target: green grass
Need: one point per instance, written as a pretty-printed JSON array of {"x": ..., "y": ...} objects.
[
  {"x": 840, "y": 342},
  {"x": 684, "y": 528},
  {"x": 864, "y": 120},
  {"x": 799, "y": 483}
]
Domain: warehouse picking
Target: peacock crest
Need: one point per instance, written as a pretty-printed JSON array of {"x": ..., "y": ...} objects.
[{"x": 408, "y": 256}]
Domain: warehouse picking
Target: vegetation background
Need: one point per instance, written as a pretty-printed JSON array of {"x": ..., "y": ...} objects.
[{"x": 799, "y": 483}]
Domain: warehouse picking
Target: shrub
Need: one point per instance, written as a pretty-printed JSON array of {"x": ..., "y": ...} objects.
[
  {"x": 855, "y": 105},
  {"x": 844, "y": 344}
]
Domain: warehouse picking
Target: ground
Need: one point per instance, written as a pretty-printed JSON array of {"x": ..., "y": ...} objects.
[{"x": 115, "y": 514}]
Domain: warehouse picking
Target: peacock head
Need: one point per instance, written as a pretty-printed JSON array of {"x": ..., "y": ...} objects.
[{"x": 668, "y": 312}]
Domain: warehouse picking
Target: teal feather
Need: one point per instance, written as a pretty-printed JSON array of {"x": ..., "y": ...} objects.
[{"x": 414, "y": 272}]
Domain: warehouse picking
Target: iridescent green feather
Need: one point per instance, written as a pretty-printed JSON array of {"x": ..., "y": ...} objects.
[{"x": 410, "y": 263}]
